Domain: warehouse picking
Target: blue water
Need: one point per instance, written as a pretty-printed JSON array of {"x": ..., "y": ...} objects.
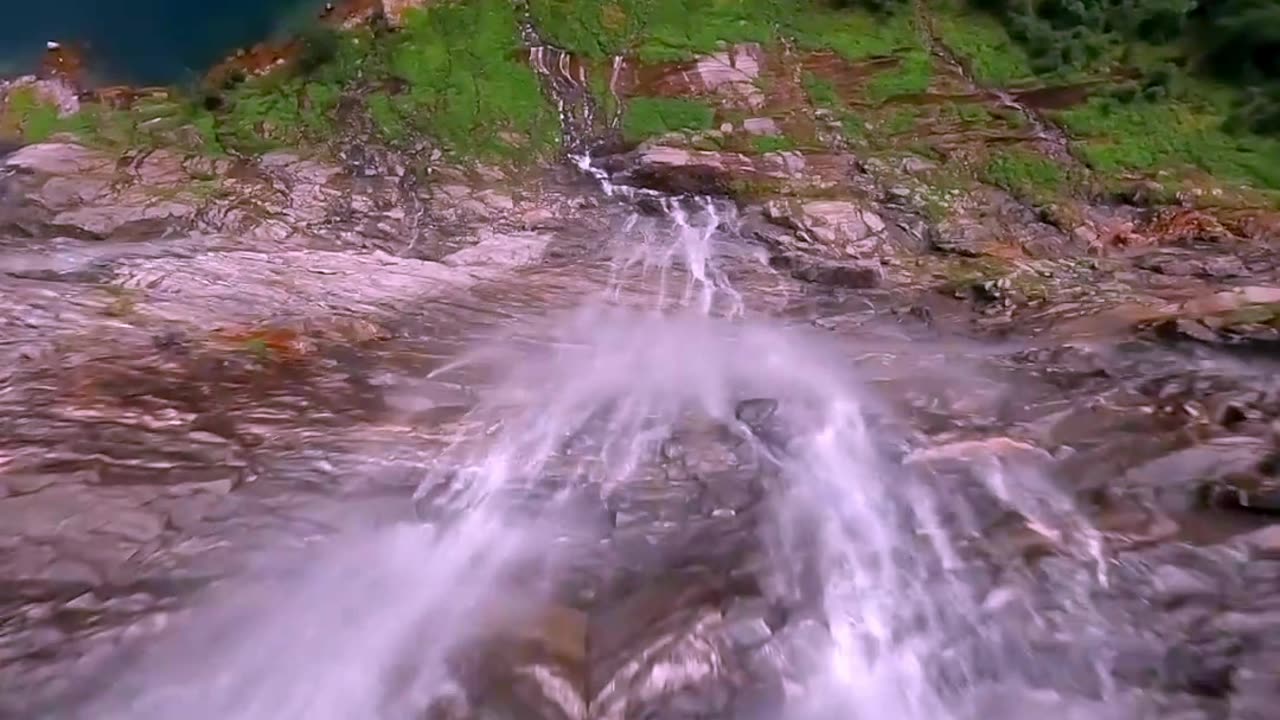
[{"x": 142, "y": 41}]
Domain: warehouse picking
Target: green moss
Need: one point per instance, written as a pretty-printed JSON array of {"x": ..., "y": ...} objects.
[
  {"x": 1144, "y": 137},
  {"x": 772, "y": 143},
  {"x": 646, "y": 117},
  {"x": 1025, "y": 175}
]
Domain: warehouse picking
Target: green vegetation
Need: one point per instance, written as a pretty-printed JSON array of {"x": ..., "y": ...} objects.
[
  {"x": 980, "y": 40},
  {"x": 1145, "y": 136},
  {"x": 646, "y": 117},
  {"x": 772, "y": 143},
  {"x": 854, "y": 34},
  {"x": 1032, "y": 178},
  {"x": 453, "y": 74},
  {"x": 901, "y": 121},
  {"x": 970, "y": 113},
  {"x": 822, "y": 92},
  {"x": 910, "y": 77},
  {"x": 28, "y": 117},
  {"x": 655, "y": 30},
  {"x": 1236, "y": 42},
  {"x": 668, "y": 30}
]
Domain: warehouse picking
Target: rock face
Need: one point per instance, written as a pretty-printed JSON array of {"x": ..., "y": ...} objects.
[
  {"x": 204, "y": 356},
  {"x": 53, "y": 91},
  {"x": 838, "y": 227}
]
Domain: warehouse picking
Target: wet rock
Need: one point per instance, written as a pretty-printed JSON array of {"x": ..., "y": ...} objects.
[
  {"x": 1246, "y": 314},
  {"x": 731, "y": 75},
  {"x": 733, "y": 491},
  {"x": 679, "y": 171},
  {"x": 72, "y": 511},
  {"x": 1186, "y": 264},
  {"x": 1177, "y": 584},
  {"x": 993, "y": 223},
  {"x": 496, "y": 250},
  {"x": 1179, "y": 480},
  {"x": 1264, "y": 542},
  {"x": 851, "y": 275},
  {"x": 835, "y": 226},
  {"x": 746, "y": 624},
  {"x": 136, "y": 217},
  {"x": 755, "y": 413}
]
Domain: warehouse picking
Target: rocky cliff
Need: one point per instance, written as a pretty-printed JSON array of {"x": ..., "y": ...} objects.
[{"x": 209, "y": 307}]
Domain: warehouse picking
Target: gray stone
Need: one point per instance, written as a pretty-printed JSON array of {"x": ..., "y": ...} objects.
[
  {"x": 1175, "y": 584},
  {"x": 761, "y": 126},
  {"x": 1264, "y": 542},
  {"x": 69, "y": 511}
]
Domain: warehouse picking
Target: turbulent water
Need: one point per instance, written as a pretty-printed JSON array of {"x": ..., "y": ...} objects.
[{"x": 872, "y": 543}]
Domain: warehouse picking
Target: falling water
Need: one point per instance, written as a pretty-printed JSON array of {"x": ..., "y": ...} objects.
[
  {"x": 878, "y": 540},
  {"x": 862, "y": 528}
]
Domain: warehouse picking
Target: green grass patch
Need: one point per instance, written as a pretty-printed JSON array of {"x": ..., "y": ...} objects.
[
  {"x": 1027, "y": 176},
  {"x": 647, "y": 117},
  {"x": 458, "y": 78},
  {"x": 901, "y": 121},
  {"x": 822, "y": 92},
  {"x": 466, "y": 84},
  {"x": 762, "y": 144},
  {"x": 910, "y": 77},
  {"x": 673, "y": 30},
  {"x": 27, "y": 117},
  {"x": 1143, "y": 137},
  {"x": 983, "y": 43},
  {"x": 655, "y": 30},
  {"x": 853, "y": 126},
  {"x": 454, "y": 73},
  {"x": 854, "y": 34}
]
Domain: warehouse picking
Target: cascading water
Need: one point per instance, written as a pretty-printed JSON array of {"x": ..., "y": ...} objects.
[{"x": 865, "y": 534}]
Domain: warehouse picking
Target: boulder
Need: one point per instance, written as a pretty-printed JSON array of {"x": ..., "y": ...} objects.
[{"x": 836, "y": 227}]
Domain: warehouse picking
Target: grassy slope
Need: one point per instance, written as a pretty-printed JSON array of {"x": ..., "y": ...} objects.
[
  {"x": 452, "y": 74},
  {"x": 1173, "y": 126}
]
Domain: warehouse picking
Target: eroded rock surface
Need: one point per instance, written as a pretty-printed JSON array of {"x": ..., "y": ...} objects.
[{"x": 202, "y": 358}]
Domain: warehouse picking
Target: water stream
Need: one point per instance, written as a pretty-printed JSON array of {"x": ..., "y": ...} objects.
[{"x": 872, "y": 548}]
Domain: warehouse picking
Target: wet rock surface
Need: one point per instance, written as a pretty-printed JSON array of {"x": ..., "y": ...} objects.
[{"x": 203, "y": 362}]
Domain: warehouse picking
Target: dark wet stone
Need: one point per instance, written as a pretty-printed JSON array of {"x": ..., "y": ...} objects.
[
  {"x": 756, "y": 412},
  {"x": 853, "y": 276},
  {"x": 1178, "y": 478},
  {"x": 747, "y": 629},
  {"x": 1251, "y": 491},
  {"x": 734, "y": 490},
  {"x": 1201, "y": 669}
]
